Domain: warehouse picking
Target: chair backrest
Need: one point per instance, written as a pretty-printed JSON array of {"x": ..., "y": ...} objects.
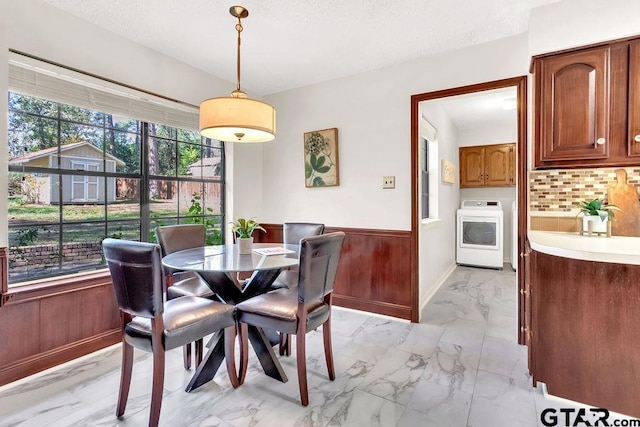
[
  {"x": 319, "y": 257},
  {"x": 136, "y": 272},
  {"x": 174, "y": 238},
  {"x": 292, "y": 232}
]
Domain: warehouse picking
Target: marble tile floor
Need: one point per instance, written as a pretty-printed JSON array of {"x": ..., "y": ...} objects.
[{"x": 461, "y": 366}]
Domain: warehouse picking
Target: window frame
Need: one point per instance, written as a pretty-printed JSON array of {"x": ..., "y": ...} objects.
[{"x": 62, "y": 281}]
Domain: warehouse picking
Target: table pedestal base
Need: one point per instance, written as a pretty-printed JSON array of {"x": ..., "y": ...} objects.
[{"x": 262, "y": 346}]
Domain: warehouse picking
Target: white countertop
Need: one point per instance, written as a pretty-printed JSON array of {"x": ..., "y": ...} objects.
[{"x": 615, "y": 249}]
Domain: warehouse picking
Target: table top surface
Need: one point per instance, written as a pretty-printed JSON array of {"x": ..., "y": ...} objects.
[{"x": 225, "y": 258}]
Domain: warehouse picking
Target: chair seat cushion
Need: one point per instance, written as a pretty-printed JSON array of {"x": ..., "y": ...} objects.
[
  {"x": 190, "y": 287},
  {"x": 186, "y": 319},
  {"x": 279, "y": 309}
]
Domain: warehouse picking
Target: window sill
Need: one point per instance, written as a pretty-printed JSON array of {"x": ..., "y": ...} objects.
[
  {"x": 430, "y": 223},
  {"x": 56, "y": 286}
]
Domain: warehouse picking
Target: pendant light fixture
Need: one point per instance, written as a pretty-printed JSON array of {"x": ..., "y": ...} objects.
[{"x": 237, "y": 118}]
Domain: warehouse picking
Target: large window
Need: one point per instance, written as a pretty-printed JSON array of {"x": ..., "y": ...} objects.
[{"x": 77, "y": 175}]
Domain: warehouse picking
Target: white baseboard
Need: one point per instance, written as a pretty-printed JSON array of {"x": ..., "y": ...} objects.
[{"x": 424, "y": 299}]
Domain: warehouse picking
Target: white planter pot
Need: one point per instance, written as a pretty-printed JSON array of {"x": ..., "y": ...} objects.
[
  {"x": 599, "y": 225},
  {"x": 245, "y": 244}
]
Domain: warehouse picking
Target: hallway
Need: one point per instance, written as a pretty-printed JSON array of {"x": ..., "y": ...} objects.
[{"x": 460, "y": 367}]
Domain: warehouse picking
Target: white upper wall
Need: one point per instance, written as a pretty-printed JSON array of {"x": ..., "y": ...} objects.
[
  {"x": 372, "y": 113},
  {"x": 574, "y": 23},
  {"x": 437, "y": 241},
  {"x": 489, "y": 135}
]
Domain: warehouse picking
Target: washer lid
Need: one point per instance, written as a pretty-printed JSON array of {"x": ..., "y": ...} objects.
[{"x": 481, "y": 204}]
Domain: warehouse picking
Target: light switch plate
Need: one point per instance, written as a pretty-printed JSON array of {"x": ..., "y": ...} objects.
[{"x": 388, "y": 182}]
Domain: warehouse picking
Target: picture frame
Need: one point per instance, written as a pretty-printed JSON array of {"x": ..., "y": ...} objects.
[
  {"x": 448, "y": 172},
  {"x": 321, "y": 168}
]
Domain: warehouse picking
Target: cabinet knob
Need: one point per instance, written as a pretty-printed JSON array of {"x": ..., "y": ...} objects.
[
  {"x": 600, "y": 141},
  {"x": 637, "y": 138}
]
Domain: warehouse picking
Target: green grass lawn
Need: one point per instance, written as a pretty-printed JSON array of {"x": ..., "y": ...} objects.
[
  {"x": 82, "y": 223},
  {"x": 21, "y": 212}
]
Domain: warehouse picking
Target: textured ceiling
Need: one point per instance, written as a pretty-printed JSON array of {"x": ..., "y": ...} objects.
[{"x": 294, "y": 43}]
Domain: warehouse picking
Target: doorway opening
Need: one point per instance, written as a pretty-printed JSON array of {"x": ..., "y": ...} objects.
[{"x": 427, "y": 277}]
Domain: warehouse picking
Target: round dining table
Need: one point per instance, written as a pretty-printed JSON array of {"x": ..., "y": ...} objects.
[{"x": 219, "y": 266}]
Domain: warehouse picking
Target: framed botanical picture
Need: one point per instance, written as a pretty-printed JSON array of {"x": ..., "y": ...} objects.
[{"x": 321, "y": 158}]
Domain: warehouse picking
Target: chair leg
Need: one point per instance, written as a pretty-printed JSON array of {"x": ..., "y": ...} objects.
[
  {"x": 301, "y": 361},
  {"x": 285, "y": 344},
  {"x": 243, "y": 335},
  {"x": 328, "y": 351},
  {"x": 186, "y": 356},
  {"x": 125, "y": 377},
  {"x": 158, "y": 386},
  {"x": 199, "y": 345},
  {"x": 230, "y": 356}
]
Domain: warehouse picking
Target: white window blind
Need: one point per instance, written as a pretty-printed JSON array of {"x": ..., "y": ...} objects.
[
  {"x": 427, "y": 130},
  {"x": 36, "y": 78}
]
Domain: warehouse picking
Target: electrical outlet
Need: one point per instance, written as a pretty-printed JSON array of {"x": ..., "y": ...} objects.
[{"x": 388, "y": 182}]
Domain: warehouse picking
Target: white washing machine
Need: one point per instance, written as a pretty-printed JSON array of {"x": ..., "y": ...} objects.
[{"x": 480, "y": 233}]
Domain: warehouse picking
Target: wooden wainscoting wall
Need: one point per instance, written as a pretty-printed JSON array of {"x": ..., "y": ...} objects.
[
  {"x": 49, "y": 323},
  {"x": 375, "y": 269}
]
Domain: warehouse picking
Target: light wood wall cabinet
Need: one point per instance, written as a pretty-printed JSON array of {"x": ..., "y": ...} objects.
[
  {"x": 587, "y": 106},
  {"x": 488, "y": 166}
]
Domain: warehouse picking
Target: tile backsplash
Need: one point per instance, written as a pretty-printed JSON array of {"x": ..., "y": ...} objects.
[{"x": 561, "y": 190}]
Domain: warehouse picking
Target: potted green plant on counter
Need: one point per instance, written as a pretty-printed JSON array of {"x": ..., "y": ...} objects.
[
  {"x": 596, "y": 213},
  {"x": 243, "y": 228}
]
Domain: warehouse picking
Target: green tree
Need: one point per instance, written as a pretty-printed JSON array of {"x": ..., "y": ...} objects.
[{"x": 34, "y": 126}]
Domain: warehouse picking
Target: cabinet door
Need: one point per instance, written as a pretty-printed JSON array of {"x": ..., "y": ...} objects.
[
  {"x": 472, "y": 167},
  {"x": 498, "y": 170},
  {"x": 526, "y": 299},
  {"x": 634, "y": 98},
  {"x": 574, "y": 106}
]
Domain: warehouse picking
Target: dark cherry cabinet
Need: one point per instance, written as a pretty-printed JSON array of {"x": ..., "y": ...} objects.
[
  {"x": 586, "y": 110},
  {"x": 575, "y": 103},
  {"x": 634, "y": 98},
  {"x": 526, "y": 307},
  {"x": 584, "y": 334}
]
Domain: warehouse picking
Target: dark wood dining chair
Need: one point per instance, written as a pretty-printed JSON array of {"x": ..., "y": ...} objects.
[
  {"x": 297, "y": 311},
  {"x": 155, "y": 326},
  {"x": 174, "y": 238},
  {"x": 292, "y": 233}
]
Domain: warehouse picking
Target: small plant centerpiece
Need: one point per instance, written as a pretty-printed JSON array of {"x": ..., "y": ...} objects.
[
  {"x": 596, "y": 215},
  {"x": 243, "y": 229}
]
